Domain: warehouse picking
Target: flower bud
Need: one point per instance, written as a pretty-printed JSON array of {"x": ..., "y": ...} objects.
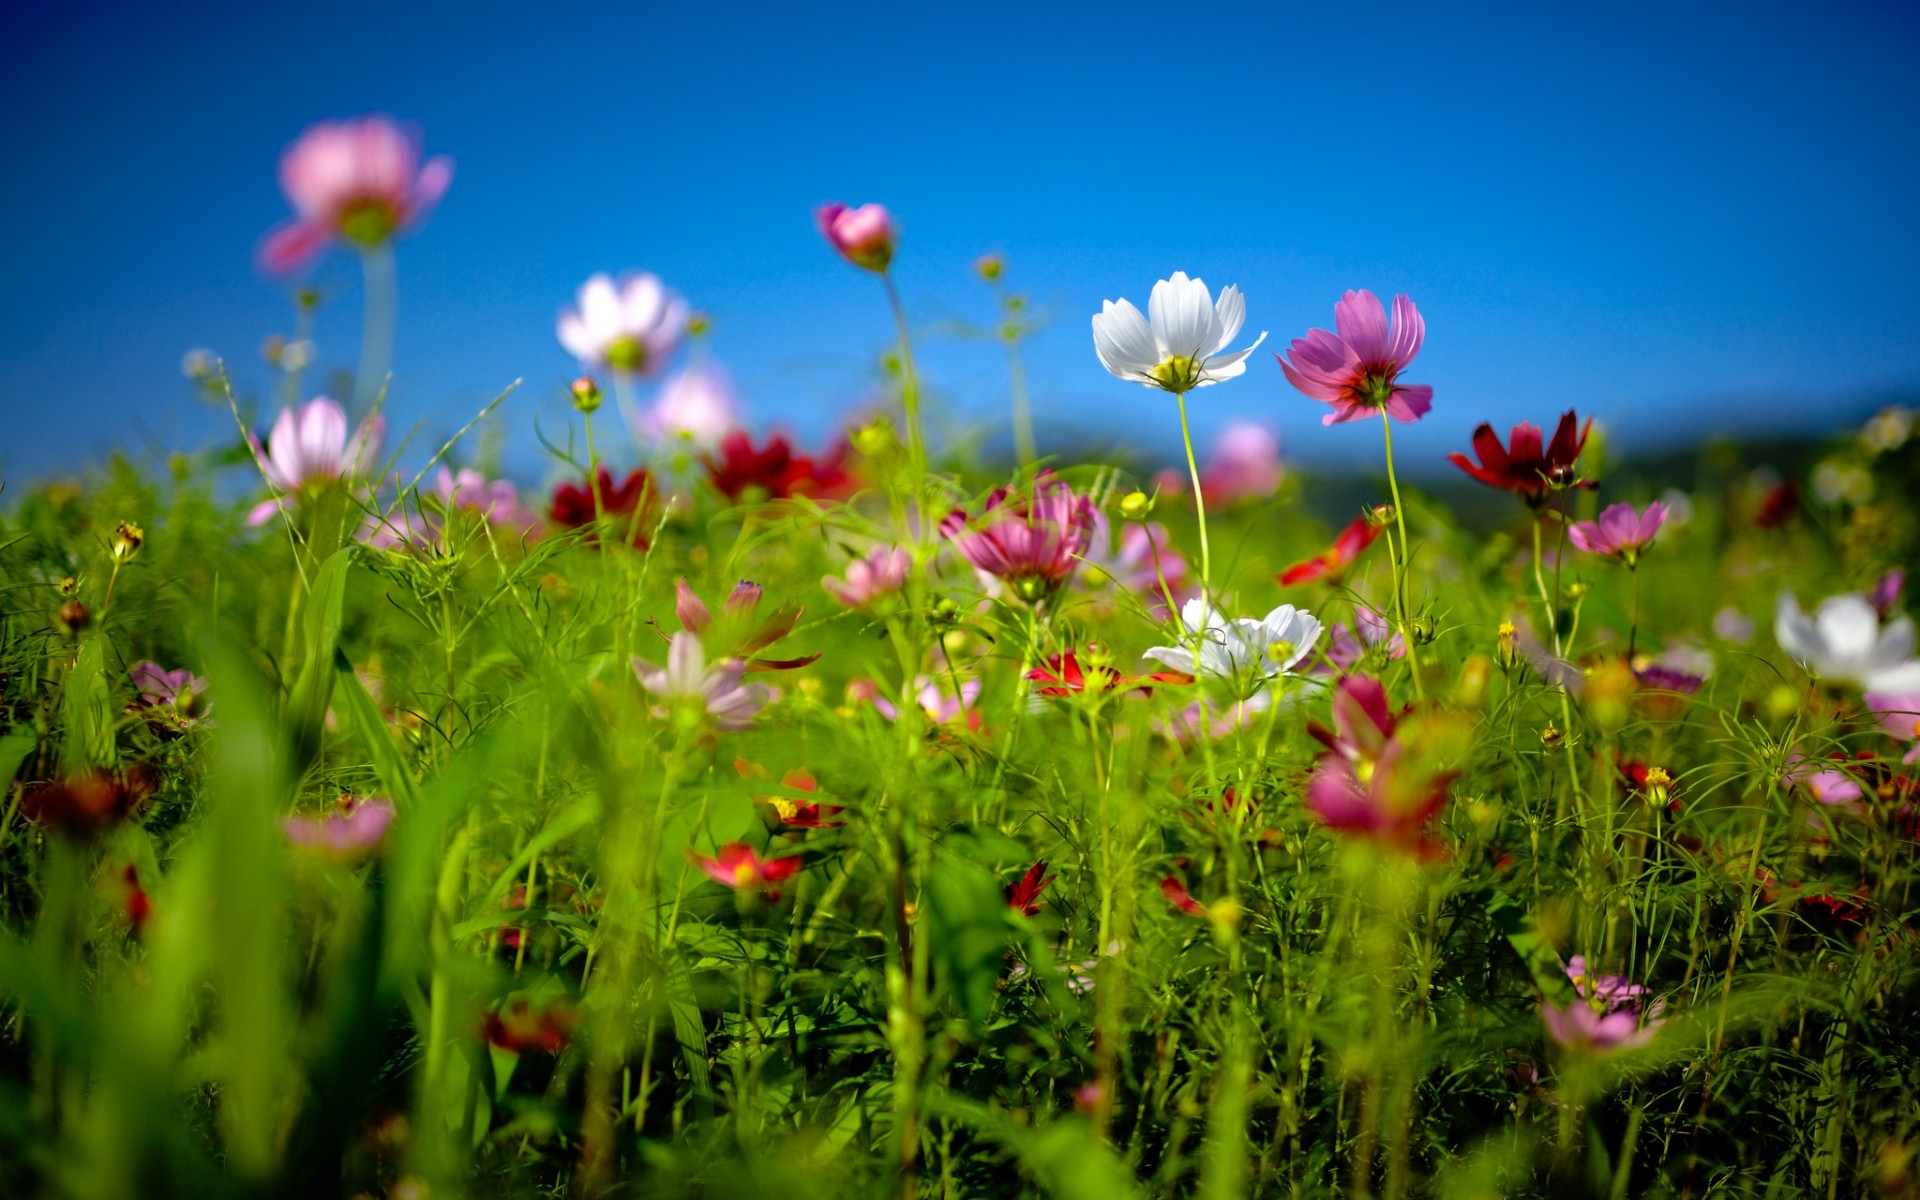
[
  {"x": 69, "y": 586},
  {"x": 126, "y": 540},
  {"x": 1135, "y": 506},
  {"x": 1659, "y": 784},
  {"x": 1550, "y": 736},
  {"x": 1423, "y": 630},
  {"x": 1506, "y": 646},
  {"x": 864, "y": 236},
  {"x": 1380, "y": 515},
  {"x": 1472, "y": 685},
  {"x": 989, "y": 267},
  {"x": 586, "y": 394},
  {"x": 875, "y": 438},
  {"x": 74, "y": 616},
  {"x": 1578, "y": 589}
]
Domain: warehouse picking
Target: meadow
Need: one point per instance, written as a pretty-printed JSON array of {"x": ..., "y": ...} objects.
[{"x": 733, "y": 817}]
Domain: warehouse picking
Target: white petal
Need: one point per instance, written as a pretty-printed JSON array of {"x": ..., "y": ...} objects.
[
  {"x": 1173, "y": 656},
  {"x": 600, "y": 309},
  {"x": 1182, "y": 314},
  {"x": 1895, "y": 645},
  {"x": 642, "y": 301},
  {"x": 572, "y": 332},
  {"x": 1849, "y": 627},
  {"x": 1227, "y": 366},
  {"x": 1901, "y": 679},
  {"x": 1230, "y": 313},
  {"x": 1123, "y": 340},
  {"x": 1797, "y": 634}
]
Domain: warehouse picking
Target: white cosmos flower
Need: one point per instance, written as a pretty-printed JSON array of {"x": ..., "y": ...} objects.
[
  {"x": 1242, "y": 648},
  {"x": 1843, "y": 642},
  {"x": 1184, "y": 346},
  {"x": 631, "y": 327}
]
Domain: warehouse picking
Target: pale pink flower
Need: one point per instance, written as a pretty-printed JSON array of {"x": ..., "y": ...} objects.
[
  {"x": 1345, "y": 649},
  {"x": 360, "y": 180},
  {"x": 1620, "y": 533},
  {"x": 1357, "y": 368},
  {"x": 352, "y": 832},
  {"x": 631, "y": 328},
  {"x": 1832, "y": 787},
  {"x": 718, "y": 689},
  {"x": 1899, "y": 716},
  {"x": 495, "y": 501},
  {"x": 864, "y": 236},
  {"x": 1610, "y": 991},
  {"x": 882, "y": 573},
  {"x": 311, "y": 447},
  {"x": 1129, "y": 562},
  {"x": 1245, "y": 464},
  {"x": 940, "y": 705},
  {"x": 697, "y": 405}
]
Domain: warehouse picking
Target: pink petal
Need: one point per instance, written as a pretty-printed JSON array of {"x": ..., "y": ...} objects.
[{"x": 1361, "y": 322}]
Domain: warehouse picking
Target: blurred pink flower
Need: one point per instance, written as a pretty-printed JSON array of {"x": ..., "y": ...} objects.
[
  {"x": 360, "y": 180},
  {"x": 940, "y": 705},
  {"x": 736, "y": 866},
  {"x": 631, "y": 328},
  {"x": 1580, "y": 1026},
  {"x": 1130, "y": 563},
  {"x": 1611, "y": 991},
  {"x": 718, "y": 688},
  {"x": 1886, "y": 593},
  {"x": 1031, "y": 540},
  {"x": 1899, "y": 716},
  {"x": 1357, "y": 369},
  {"x": 882, "y": 573},
  {"x": 1620, "y": 533},
  {"x": 864, "y": 236},
  {"x": 1732, "y": 625},
  {"x": 1345, "y": 649},
  {"x": 358, "y": 828},
  {"x": 1245, "y": 464},
  {"x": 697, "y": 405},
  {"x": 1832, "y": 787},
  {"x": 495, "y": 501},
  {"x": 312, "y": 447}
]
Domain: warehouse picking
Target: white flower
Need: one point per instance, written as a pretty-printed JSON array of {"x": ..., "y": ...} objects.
[
  {"x": 1843, "y": 641},
  {"x": 718, "y": 689},
  {"x": 1183, "y": 347},
  {"x": 697, "y": 404},
  {"x": 632, "y": 328},
  {"x": 1243, "y": 647}
]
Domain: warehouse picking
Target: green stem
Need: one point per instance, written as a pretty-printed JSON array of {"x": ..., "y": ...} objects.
[
  {"x": 1405, "y": 562},
  {"x": 909, "y": 391},
  {"x": 1200, "y": 507},
  {"x": 377, "y": 322}
]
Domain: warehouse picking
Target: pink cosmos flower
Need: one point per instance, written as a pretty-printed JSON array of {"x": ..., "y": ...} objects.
[
  {"x": 1886, "y": 593},
  {"x": 697, "y": 406},
  {"x": 1900, "y": 717},
  {"x": 631, "y": 328},
  {"x": 882, "y": 573},
  {"x": 864, "y": 236},
  {"x": 311, "y": 448},
  {"x": 941, "y": 706},
  {"x": 1346, "y": 650},
  {"x": 1381, "y": 777},
  {"x": 1611, "y": 991},
  {"x": 353, "y": 831},
  {"x": 1029, "y": 540},
  {"x": 1832, "y": 787},
  {"x": 159, "y": 687},
  {"x": 1130, "y": 563},
  {"x": 1620, "y": 533},
  {"x": 360, "y": 180},
  {"x": 736, "y": 866},
  {"x": 717, "y": 690},
  {"x": 1582, "y": 1027},
  {"x": 1357, "y": 369},
  {"x": 495, "y": 501},
  {"x": 1245, "y": 464}
]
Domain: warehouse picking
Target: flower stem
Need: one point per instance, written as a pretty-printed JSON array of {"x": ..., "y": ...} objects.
[
  {"x": 376, "y": 322},
  {"x": 1633, "y": 630},
  {"x": 909, "y": 390},
  {"x": 1199, "y": 504},
  {"x": 1404, "y": 563}
]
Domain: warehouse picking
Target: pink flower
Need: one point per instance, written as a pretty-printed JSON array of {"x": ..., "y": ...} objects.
[
  {"x": 1832, "y": 787},
  {"x": 1356, "y": 537},
  {"x": 715, "y": 690},
  {"x": 1620, "y": 533},
  {"x": 631, "y": 328},
  {"x": 882, "y": 573},
  {"x": 1346, "y": 650},
  {"x": 1031, "y": 541},
  {"x": 1900, "y": 717},
  {"x": 1245, "y": 464},
  {"x": 360, "y": 180},
  {"x": 1357, "y": 369},
  {"x": 1385, "y": 777},
  {"x": 941, "y": 707},
  {"x": 1580, "y": 1026},
  {"x": 312, "y": 448},
  {"x": 697, "y": 406},
  {"x": 1611, "y": 991},
  {"x": 1131, "y": 564},
  {"x": 354, "y": 831},
  {"x": 494, "y": 501},
  {"x": 736, "y": 866},
  {"x": 864, "y": 236}
]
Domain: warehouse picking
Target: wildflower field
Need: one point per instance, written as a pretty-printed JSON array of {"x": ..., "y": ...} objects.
[{"x": 732, "y": 817}]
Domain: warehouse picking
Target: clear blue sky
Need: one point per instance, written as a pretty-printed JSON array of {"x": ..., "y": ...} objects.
[{"x": 1679, "y": 216}]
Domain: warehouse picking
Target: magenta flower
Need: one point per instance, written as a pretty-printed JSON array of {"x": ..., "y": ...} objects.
[
  {"x": 355, "y": 830},
  {"x": 1384, "y": 776},
  {"x": 1030, "y": 541},
  {"x": 1357, "y": 369},
  {"x": 1620, "y": 533},
  {"x": 1245, "y": 464},
  {"x": 864, "y": 236},
  {"x": 1582, "y": 1027},
  {"x": 1609, "y": 991},
  {"x": 495, "y": 501},
  {"x": 1886, "y": 593},
  {"x": 170, "y": 700},
  {"x": 1832, "y": 787},
  {"x": 360, "y": 180},
  {"x": 882, "y": 573},
  {"x": 311, "y": 448},
  {"x": 716, "y": 691},
  {"x": 1345, "y": 650}
]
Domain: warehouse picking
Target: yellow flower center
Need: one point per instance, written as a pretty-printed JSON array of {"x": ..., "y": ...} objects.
[{"x": 1178, "y": 374}]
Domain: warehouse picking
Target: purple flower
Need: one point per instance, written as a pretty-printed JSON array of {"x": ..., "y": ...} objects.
[
  {"x": 1580, "y": 1026},
  {"x": 1620, "y": 533},
  {"x": 1345, "y": 650},
  {"x": 1732, "y": 625},
  {"x": 1886, "y": 593},
  {"x": 716, "y": 691},
  {"x": 354, "y": 831},
  {"x": 1357, "y": 369},
  {"x": 310, "y": 449},
  {"x": 1610, "y": 991},
  {"x": 177, "y": 698},
  {"x": 1900, "y": 717},
  {"x": 882, "y": 573},
  {"x": 1832, "y": 787},
  {"x": 1031, "y": 541}
]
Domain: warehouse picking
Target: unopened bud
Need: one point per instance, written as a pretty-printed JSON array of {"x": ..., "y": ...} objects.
[
  {"x": 1550, "y": 736},
  {"x": 1423, "y": 630},
  {"x": 1379, "y": 515},
  {"x": 69, "y": 586},
  {"x": 945, "y": 612},
  {"x": 74, "y": 616},
  {"x": 1096, "y": 654},
  {"x": 1506, "y": 645},
  {"x": 586, "y": 394},
  {"x": 1578, "y": 589},
  {"x": 126, "y": 540},
  {"x": 875, "y": 438},
  {"x": 989, "y": 266},
  {"x": 1134, "y": 506}
]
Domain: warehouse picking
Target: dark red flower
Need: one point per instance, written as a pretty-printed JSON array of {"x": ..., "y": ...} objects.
[
  {"x": 1779, "y": 506},
  {"x": 1357, "y": 536},
  {"x": 1024, "y": 896},
  {"x": 1178, "y": 895},
  {"x": 1064, "y": 676},
  {"x": 516, "y": 1027},
  {"x": 802, "y": 814},
  {"x": 776, "y": 471},
  {"x": 86, "y": 804},
  {"x": 1523, "y": 466},
  {"x": 627, "y": 506}
]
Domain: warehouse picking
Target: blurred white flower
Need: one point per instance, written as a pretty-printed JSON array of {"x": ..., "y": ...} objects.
[
  {"x": 1836, "y": 482},
  {"x": 1843, "y": 641},
  {"x": 1887, "y": 429},
  {"x": 631, "y": 328},
  {"x": 697, "y": 405}
]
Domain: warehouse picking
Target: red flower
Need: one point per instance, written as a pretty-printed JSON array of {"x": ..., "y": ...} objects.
[
  {"x": 1357, "y": 536},
  {"x": 517, "y": 1028},
  {"x": 86, "y": 804},
  {"x": 1779, "y": 507},
  {"x": 737, "y": 866},
  {"x": 802, "y": 814},
  {"x": 775, "y": 470},
  {"x": 1177, "y": 894},
  {"x": 1064, "y": 676},
  {"x": 1024, "y": 896},
  {"x": 627, "y": 505},
  {"x": 1522, "y": 466}
]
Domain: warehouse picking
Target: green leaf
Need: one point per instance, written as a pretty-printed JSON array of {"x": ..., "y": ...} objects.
[
  {"x": 313, "y": 686},
  {"x": 967, "y": 920}
]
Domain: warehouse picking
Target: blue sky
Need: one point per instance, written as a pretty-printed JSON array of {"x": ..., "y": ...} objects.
[{"x": 1681, "y": 217}]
